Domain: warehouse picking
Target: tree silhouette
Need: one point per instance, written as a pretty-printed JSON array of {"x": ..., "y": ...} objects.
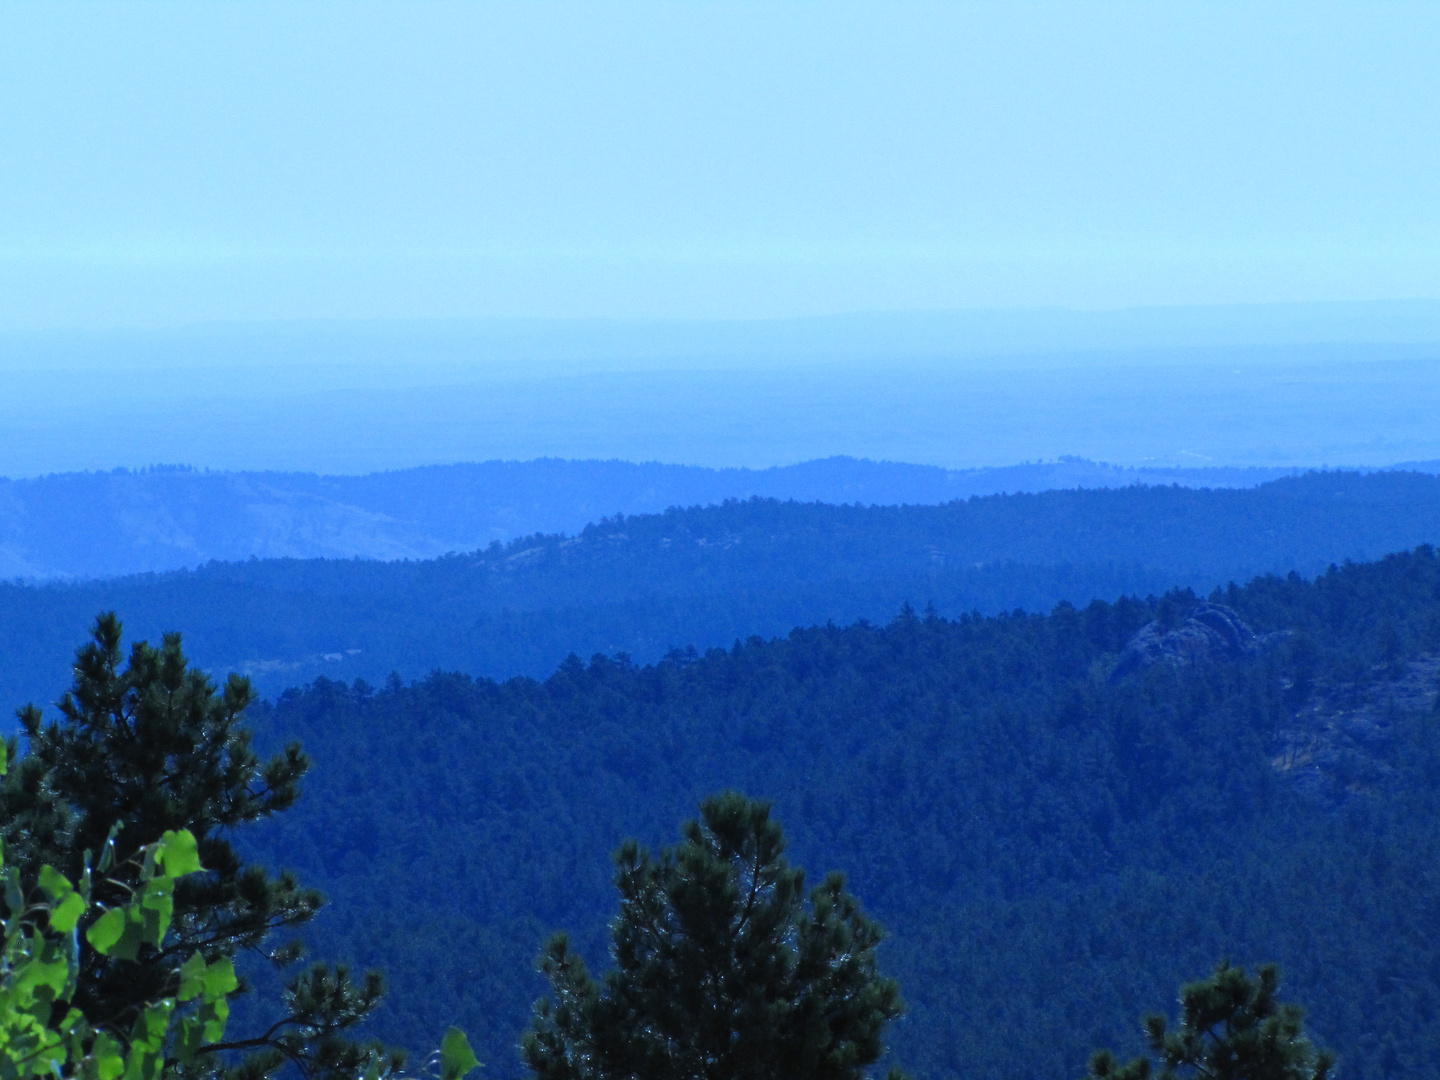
[
  {"x": 1231, "y": 1028},
  {"x": 721, "y": 971}
]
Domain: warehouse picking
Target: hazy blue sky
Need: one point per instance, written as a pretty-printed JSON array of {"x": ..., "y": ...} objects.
[{"x": 162, "y": 163}]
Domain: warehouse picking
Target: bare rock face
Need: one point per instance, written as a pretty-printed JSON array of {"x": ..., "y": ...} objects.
[
  {"x": 1209, "y": 634},
  {"x": 1341, "y": 741}
]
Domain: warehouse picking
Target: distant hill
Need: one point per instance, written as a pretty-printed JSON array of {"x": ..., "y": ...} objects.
[
  {"x": 707, "y": 576},
  {"x": 95, "y": 525}
]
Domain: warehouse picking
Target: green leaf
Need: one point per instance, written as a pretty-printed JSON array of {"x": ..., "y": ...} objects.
[
  {"x": 119, "y": 932},
  {"x": 214, "y": 1014},
  {"x": 107, "y": 853},
  {"x": 106, "y": 931},
  {"x": 144, "y": 1066},
  {"x": 54, "y": 884},
  {"x": 106, "y": 1056},
  {"x": 64, "y": 915},
  {"x": 220, "y": 979},
  {"x": 128, "y": 947},
  {"x": 73, "y": 1024},
  {"x": 189, "y": 1037},
  {"x": 178, "y": 853},
  {"x": 14, "y": 894},
  {"x": 192, "y": 978},
  {"x": 149, "y": 1031},
  {"x": 456, "y": 1057},
  {"x": 157, "y": 904},
  {"x": 44, "y": 978},
  {"x": 211, "y": 984}
]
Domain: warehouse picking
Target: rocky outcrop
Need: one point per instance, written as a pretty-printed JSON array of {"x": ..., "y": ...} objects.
[
  {"x": 1209, "y": 634},
  {"x": 1341, "y": 742}
]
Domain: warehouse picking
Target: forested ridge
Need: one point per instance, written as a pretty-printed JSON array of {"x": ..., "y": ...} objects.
[
  {"x": 1057, "y": 817},
  {"x": 644, "y": 584},
  {"x": 105, "y": 524}
]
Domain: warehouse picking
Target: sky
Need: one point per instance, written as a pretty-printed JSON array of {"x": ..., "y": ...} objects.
[{"x": 163, "y": 164}]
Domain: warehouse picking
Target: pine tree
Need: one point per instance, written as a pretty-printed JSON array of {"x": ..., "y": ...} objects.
[
  {"x": 148, "y": 747},
  {"x": 720, "y": 970},
  {"x": 1231, "y": 1028}
]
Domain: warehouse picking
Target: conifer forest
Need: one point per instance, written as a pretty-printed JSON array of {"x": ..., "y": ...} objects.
[{"x": 985, "y": 844}]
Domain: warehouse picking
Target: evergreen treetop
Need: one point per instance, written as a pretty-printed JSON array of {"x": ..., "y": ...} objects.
[
  {"x": 1231, "y": 1027},
  {"x": 721, "y": 970}
]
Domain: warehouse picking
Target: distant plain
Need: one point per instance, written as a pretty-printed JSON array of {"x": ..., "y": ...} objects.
[{"x": 1267, "y": 385}]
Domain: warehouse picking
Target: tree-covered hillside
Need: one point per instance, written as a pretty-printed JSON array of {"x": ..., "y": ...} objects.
[
  {"x": 1058, "y": 818},
  {"x": 708, "y": 576},
  {"x": 105, "y": 524}
]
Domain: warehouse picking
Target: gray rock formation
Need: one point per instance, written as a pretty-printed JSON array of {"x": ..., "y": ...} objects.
[{"x": 1209, "y": 633}]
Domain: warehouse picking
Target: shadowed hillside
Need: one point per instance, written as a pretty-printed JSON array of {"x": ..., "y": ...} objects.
[{"x": 1054, "y": 837}]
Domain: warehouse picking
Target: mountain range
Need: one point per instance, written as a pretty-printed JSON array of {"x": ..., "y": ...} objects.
[
  {"x": 647, "y": 584},
  {"x": 96, "y": 525}
]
